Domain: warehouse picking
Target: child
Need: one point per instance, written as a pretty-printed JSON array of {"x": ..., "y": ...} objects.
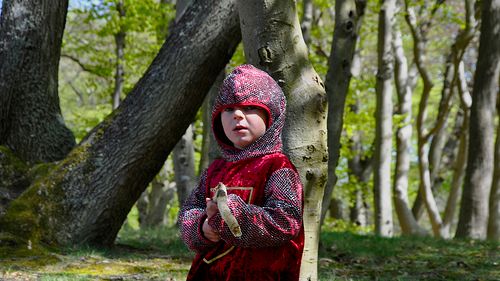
[{"x": 264, "y": 189}]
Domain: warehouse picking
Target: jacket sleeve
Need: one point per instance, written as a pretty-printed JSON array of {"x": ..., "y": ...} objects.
[
  {"x": 279, "y": 219},
  {"x": 191, "y": 218}
]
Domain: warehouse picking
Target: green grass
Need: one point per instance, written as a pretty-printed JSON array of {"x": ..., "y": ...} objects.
[
  {"x": 158, "y": 254},
  {"x": 347, "y": 256}
]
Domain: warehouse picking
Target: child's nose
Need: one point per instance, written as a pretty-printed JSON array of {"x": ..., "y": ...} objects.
[{"x": 238, "y": 114}]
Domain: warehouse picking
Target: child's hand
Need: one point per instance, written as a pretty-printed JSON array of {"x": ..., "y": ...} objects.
[
  {"x": 212, "y": 208},
  {"x": 209, "y": 232}
]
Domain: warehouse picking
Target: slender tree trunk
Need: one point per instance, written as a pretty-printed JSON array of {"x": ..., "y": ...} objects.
[
  {"x": 383, "y": 117},
  {"x": 348, "y": 15},
  {"x": 419, "y": 33},
  {"x": 438, "y": 133},
  {"x": 307, "y": 20},
  {"x": 209, "y": 148},
  {"x": 183, "y": 154},
  {"x": 408, "y": 223},
  {"x": 120, "y": 51},
  {"x": 461, "y": 160},
  {"x": 458, "y": 50},
  {"x": 473, "y": 219},
  {"x": 183, "y": 157},
  {"x": 494, "y": 218},
  {"x": 273, "y": 41},
  {"x": 30, "y": 45},
  {"x": 361, "y": 169},
  {"x": 87, "y": 196},
  {"x": 423, "y": 136}
]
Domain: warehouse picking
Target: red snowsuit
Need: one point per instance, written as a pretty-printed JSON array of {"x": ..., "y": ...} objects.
[{"x": 264, "y": 194}]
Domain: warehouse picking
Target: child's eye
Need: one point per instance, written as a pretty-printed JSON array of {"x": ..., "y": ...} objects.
[
  {"x": 228, "y": 109},
  {"x": 249, "y": 108}
]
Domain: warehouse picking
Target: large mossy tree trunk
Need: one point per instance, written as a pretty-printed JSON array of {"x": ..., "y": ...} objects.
[
  {"x": 87, "y": 196},
  {"x": 273, "y": 41},
  {"x": 473, "y": 219},
  {"x": 31, "y": 124}
]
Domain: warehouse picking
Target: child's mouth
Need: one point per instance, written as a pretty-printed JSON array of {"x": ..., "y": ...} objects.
[{"x": 239, "y": 128}]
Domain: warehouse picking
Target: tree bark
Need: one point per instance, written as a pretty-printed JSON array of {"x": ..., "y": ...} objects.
[
  {"x": 423, "y": 136},
  {"x": 209, "y": 147},
  {"x": 458, "y": 49},
  {"x": 31, "y": 124},
  {"x": 383, "y": 117},
  {"x": 273, "y": 41},
  {"x": 494, "y": 218},
  {"x": 88, "y": 195},
  {"x": 473, "y": 219},
  {"x": 307, "y": 20},
  {"x": 119, "y": 52},
  {"x": 361, "y": 169},
  {"x": 183, "y": 153},
  {"x": 183, "y": 157},
  {"x": 451, "y": 73},
  {"x": 407, "y": 222},
  {"x": 348, "y": 15}
]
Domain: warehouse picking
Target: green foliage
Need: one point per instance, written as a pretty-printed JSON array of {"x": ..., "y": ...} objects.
[
  {"x": 83, "y": 119},
  {"x": 89, "y": 56}
]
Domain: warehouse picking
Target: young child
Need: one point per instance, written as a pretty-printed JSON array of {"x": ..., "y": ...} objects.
[{"x": 264, "y": 189}]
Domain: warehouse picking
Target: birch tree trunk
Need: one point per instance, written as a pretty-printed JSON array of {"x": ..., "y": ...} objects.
[
  {"x": 422, "y": 135},
  {"x": 183, "y": 157},
  {"x": 87, "y": 196},
  {"x": 209, "y": 148},
  {"x": 348, "y": 15},
  {"x": 273, "y": 41},
  {"x": 494, "y": 218},
  {"x": 307, "y": 20},
  {"x": 383, "y": 117},
  {"x": 408, "y": 223},
  {"x": 458, "y": 49},
  {"x": 30, "y": 45},
  {"x": 419, "y": 33},
  {"x": 119, "y": 52},
  {"x": 462, "y": 154},
  {"x": 473, "y": 220}
]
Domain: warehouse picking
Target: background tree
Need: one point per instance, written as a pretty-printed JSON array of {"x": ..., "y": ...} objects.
[
  {"x": 473, "y": 219},
  {"x": 347, "y": 24},
  {"x": 30, "y": 43},
  {"x": 383, "y": 115},
  {"x": 494, "y": 216}
]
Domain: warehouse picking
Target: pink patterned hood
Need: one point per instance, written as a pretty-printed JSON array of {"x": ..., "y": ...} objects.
[{"x": 247, "y": 85}]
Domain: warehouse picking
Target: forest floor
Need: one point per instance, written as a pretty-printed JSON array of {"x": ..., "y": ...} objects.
[{"x": 159, "y": 255}]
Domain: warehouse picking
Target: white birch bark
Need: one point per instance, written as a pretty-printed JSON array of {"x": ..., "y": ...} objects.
[
  {"x": 408, "y": 223},
  {"x": 423, "y": 136},
  {"x": 273, "y": 41},
  {"x": 383, "y": 116}
]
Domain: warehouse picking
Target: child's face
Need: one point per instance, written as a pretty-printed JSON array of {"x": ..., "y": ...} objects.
[{"x": 243, "y": 124}]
